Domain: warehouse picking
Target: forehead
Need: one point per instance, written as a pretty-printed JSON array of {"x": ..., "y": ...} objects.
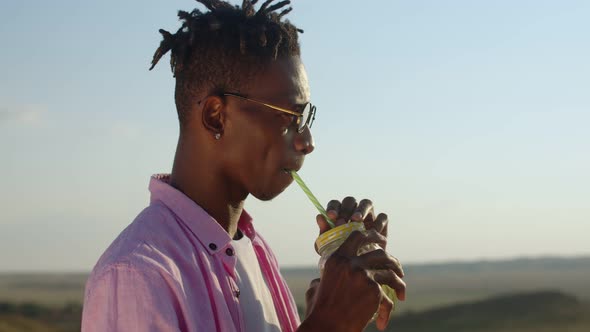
[{"x": 283, "y": 80}]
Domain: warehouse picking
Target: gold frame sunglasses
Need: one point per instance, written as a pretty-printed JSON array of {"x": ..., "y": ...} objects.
[{"x": 309, "y": 108}]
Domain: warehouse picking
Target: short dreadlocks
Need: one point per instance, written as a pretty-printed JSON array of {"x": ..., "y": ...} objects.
[{"x": 223, "y": 47}]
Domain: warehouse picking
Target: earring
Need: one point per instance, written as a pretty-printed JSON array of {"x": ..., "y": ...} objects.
[{"x": 217, "y": 136}]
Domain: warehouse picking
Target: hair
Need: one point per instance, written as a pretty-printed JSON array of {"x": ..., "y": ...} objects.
[{"x": 224, "y": 47}]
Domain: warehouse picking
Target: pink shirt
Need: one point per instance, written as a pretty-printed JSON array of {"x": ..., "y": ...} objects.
[{"x": 173, "y": 269}]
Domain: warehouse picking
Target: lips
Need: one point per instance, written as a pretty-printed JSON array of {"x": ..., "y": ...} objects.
[
  {"x": 295, "y": 168},
  {"x": 293, "y": 165},
  {"x": 287, "y": 170}
]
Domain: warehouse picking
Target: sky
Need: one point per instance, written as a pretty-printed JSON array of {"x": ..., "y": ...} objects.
[{"x": 465, "y": 121}]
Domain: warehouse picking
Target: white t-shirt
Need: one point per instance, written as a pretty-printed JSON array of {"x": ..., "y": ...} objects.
[{"x": 255, "y": 299}]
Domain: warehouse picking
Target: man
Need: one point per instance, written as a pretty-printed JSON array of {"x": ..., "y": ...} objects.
[{"x": 192, "y": 260}]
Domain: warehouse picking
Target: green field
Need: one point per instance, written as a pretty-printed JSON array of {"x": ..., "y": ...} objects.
[{"x": 552, "y": 294}]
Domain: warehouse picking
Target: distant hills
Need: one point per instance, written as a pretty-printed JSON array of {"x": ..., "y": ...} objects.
[
  {"x": 539, "y": 312},
  {"x": 441, "y": 284},
  {"x": 545, "y": 311},
  {"x": 521, "y": 295}
]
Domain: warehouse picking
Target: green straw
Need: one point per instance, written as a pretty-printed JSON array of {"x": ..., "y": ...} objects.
[{"x": 312, "y": 198}]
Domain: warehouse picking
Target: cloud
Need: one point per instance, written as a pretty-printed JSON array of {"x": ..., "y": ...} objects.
[{"x": 28, "y": 115}]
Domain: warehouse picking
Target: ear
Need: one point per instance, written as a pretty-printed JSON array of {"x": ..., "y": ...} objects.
[{"x": 213, "y": 116}]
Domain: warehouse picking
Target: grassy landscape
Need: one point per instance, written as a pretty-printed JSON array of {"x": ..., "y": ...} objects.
[
  {"x": 543, "y": 311},
  {"x": 547, "y": 294},
  {"x": 33, "y": 317},
  {"x": 49, "y": 289}
]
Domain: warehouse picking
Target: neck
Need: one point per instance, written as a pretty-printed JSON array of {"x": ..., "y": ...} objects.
[{"x": 203, "y": 181}]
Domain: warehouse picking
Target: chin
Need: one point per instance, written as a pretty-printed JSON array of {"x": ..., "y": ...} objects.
[
  {"x": 268, "y": 190},
  {"x": 265, "y": 198},
  {"x": 268, "y": 194}
]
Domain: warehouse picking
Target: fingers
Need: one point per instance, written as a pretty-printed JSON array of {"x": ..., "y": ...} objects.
[
  {"x": 357, "y": 239},
  {"x": 341, "y": 213},
  {"x": 346, "y": 210},
  {"x": 333, "y": 209},
  {"x": 391, "y": 279},
  {"x": 322, "y": 223},
  {"x": 323, "y": 226},
  {"x": 363, "y": 211},
  {"x": 380, "y": 224},
  {"x": 380, "y": 260},
  {"x": 383, "y": 313}
]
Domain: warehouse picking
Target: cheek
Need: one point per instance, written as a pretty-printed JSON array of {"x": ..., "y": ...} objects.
[
  {"x": 257, "y": 142},
  {"x": 250, "y": 146}
]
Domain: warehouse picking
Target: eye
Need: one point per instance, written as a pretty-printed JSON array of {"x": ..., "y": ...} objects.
[{"x": 284, "y": 117}]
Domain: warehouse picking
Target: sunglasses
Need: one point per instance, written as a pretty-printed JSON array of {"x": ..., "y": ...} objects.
[{"x": 301, "y": 119}]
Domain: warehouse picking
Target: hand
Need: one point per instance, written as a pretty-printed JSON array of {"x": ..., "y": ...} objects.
[
  {"x": 349, "y": 210},
  {"x": 350, "y": 287}
]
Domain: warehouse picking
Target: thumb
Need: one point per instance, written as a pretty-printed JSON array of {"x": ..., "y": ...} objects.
[{"x": 322, "y": 223}]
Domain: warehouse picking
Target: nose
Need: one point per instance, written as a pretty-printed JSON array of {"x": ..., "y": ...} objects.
[{"x": 304, "y": 141}]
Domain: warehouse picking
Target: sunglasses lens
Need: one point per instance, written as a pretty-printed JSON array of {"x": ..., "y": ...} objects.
[{"x": 306, "y": 117}]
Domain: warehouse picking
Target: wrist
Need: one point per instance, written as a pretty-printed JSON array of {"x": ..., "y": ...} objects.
[{"x": 314, "y": 323}]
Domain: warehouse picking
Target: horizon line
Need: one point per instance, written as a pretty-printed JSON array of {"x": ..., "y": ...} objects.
[{"x": 310, "y": 266}]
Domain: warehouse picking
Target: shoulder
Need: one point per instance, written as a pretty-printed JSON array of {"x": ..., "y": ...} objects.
[
  {"x": 147, "y": 245},
  {"x": 129, "y": 273}
]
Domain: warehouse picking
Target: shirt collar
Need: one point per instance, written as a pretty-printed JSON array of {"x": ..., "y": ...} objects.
[{"x": 203, "y": 226}]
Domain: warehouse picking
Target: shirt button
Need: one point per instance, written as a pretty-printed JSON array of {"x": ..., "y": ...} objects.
[
  {"x": 229, "y": 251},
  {"x": 212, "y": 246}
]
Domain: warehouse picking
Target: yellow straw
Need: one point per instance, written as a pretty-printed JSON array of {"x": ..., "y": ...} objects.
[{"x": 312, "y": 198}]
